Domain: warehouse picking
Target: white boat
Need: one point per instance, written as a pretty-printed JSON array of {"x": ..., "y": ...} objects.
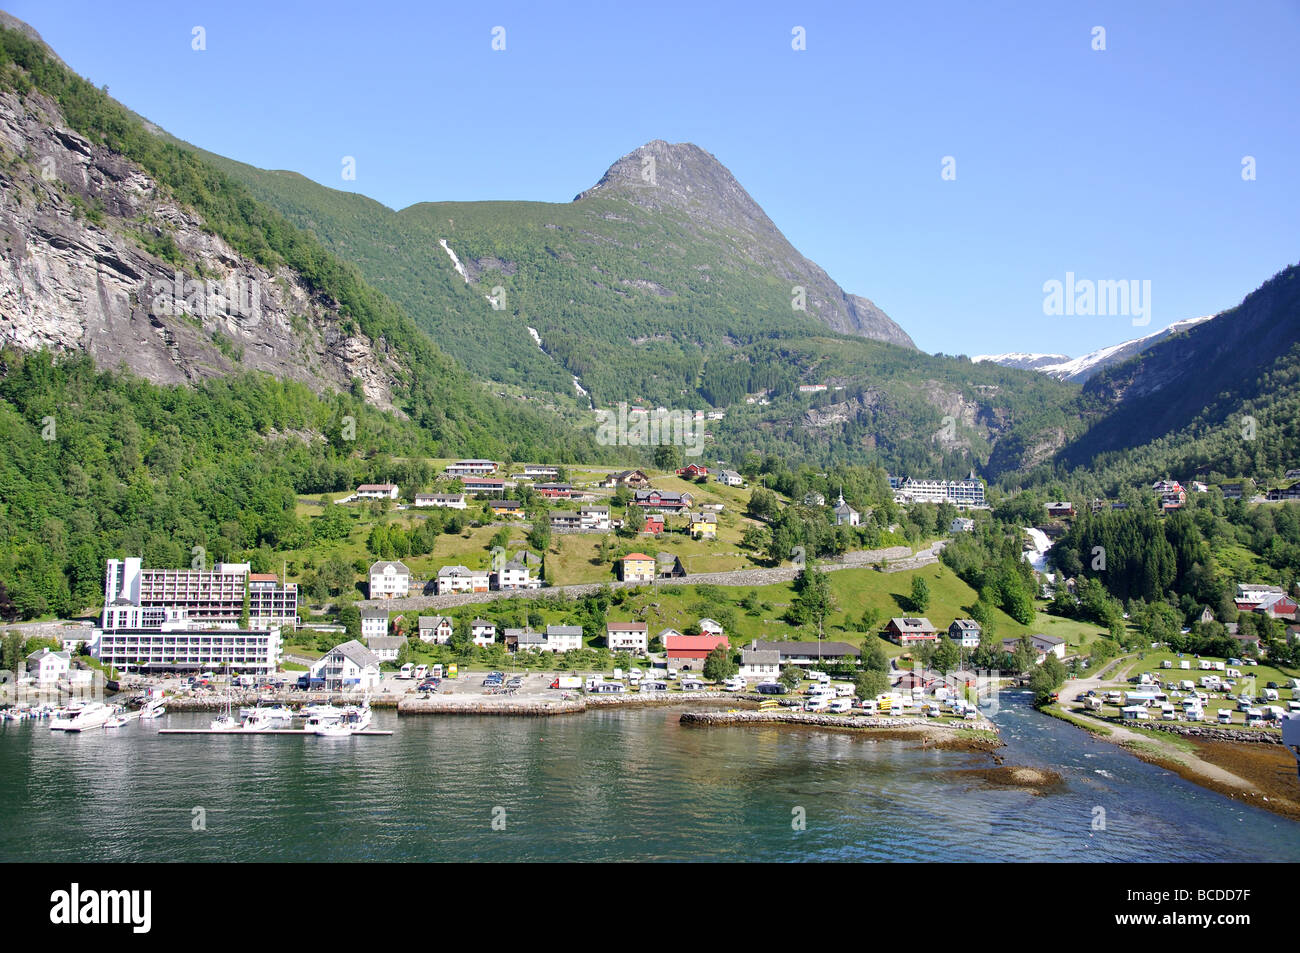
[
  {"x": 121, "y": 719},
  {"x": 154, "y": 709},
  {"x": 82, "y": 717},
  {"x": 225, "y": 721},
  {"x": 259, "y": 720},
  {"x": 352, "y": 719}
]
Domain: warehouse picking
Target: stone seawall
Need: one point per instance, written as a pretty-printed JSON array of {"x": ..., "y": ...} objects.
[{"x": 1214, "y": 733}]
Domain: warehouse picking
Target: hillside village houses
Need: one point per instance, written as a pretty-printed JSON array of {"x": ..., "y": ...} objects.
[
  {"x": 665, "y": 501},
  {"x": 483, "y": 486},
  {"x": 471, "y": 468},
  {"x": 449, "y": 501},
  {"x": 730, "y": 478},
  {"x": 627, "y": 637},
  {"x": 389, "y": 579},
  {"x": 385, "y": 647},
  {"x": 693, "y": 471},
  {"x": 690, "y": 651},
  {"x": 965, "y": 633},
  {"x": 534, "y": 471},
  {"x": 1271, "y": 601},
  {"x": 436, "y": 629},
  {"x": 461, "y": 579},
  {"x": 377, "y": 491},
  {"x": 346, "y": 667},
  {"x": 805, "y": 654},
  {"x": 374, "y": 622},
  {"x": 1170, "y": 493},
  {"x": 554, "y": 491},
  {"x": 911, "y": 631},
  {"x": 638, "y": 567},
  {"x": 1044, "y": 645},
  {"x": 482, "y": 633},
  {"x": 704, "y": 526},
  {"x": 513, "y": 575},
  {"x": 1058, "y": 510},
  {"x": 632, "y": 479}
]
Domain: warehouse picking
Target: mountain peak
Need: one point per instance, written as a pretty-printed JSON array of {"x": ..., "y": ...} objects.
[{"x": 682, "y": 177}]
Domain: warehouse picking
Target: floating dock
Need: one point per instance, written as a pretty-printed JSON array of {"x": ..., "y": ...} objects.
[{"x": 265, "y": 731}]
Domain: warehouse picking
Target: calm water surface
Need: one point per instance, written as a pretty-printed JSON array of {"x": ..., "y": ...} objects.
[{"x": 613, "y": 785}]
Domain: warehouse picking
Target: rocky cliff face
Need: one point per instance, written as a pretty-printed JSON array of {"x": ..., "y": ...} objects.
[
  {"x": 97, "y": 258},
  {"x": 683, "y": 177}
]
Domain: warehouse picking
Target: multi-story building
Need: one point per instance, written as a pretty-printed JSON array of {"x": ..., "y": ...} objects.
[
  {"x": 175, "y": 646},
  {"x": 374, "y": 624},
  {"x": 638, "y": 567},
  {"x": 139, "y": 598},
  {"x": 377, "y": 491},
  {"x": 482, "y": 632},
  {"x": 967, "y": 492},
  {"x": 627, "y": 636},
  {"x": 513, "y": 575},
  {"x": 563, "y": 638},
  {"x": 389, "y": 579},
  {"x": 436, "y": 629},
  {"x": 471, "y": 468},
  {"x": 449, "y": 501}
]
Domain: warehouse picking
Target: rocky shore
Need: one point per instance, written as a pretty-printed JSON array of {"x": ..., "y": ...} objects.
[{"x": 975, "y": 736}]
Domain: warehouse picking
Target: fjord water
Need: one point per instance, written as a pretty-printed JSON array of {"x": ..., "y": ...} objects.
[{"x": 628, "y": 784}]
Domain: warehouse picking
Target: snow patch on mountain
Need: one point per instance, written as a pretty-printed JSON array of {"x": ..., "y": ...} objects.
[{"x": 1079, "y": 369}]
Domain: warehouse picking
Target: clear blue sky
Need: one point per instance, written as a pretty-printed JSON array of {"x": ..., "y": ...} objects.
[{"x": 1122, "y": 164}]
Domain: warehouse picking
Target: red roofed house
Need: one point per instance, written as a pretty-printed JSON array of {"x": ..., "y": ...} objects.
[
  {"x": 690, "y": 651},
  {"x": 693, "y": 471},
  {"x": 638, "y": 567}
]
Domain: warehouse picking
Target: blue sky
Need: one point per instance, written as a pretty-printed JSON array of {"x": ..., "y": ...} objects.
[{"x": 1117, "y": 164}]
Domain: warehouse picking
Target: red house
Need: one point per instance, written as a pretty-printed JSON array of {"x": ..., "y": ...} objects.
[
  {"x": 690, "y": 651},
  {"x": 693, "y": 471},
  {"x": 654, "y": 525}
]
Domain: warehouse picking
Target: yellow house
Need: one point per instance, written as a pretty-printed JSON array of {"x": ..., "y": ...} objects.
[
  {"x": 704, "y": 526},
  {"x": 638, "y": 567}
]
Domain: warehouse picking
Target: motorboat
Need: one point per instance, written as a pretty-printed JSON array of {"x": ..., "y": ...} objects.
[
  {"x": 121, "y": 719},
  {"x": 153, "y": 709},
  {"x": 352, "y": 719},
  {"x": 258, "y": 720},
  {"x": 82, "y": 717}
]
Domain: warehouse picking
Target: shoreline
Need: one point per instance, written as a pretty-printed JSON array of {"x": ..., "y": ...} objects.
[
  {"x": 980, "y": 737},
  {"x": 1259, "y": 772}
]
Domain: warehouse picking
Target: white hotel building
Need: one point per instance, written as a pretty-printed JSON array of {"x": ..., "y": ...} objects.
[{"x": 179, "y": 619}]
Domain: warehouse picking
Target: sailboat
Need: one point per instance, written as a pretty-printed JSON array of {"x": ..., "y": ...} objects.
[
  {"x": 351, "y": 720},
  {"x": 225, "y": 721}
]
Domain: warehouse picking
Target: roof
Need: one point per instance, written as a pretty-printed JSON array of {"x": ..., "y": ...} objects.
[
  {"x": 912, "y": 624},
  {"x": 263, "y": 577},
  {"x": 627, "y": 627},
  {"x": 377, "y": 642},
  {"x": 638, "y": 557},
  {"x": 966, "y": 625},
  {"x": 41, "y": 653},
  {"x": 374, "y": 614},
  {"x": 563, "y": 630},
  {"x": 694, "y": 643},
  {"x": 376, "y": 486},
  {"x": 432, "y": 621},
  {"x": 483, "y": 622},
  {"x": 460, "y": 571},
  {"x": 383, "y": 566},
  {"x": 356, "y": 653},
  {"x": 808, "y": 649}
]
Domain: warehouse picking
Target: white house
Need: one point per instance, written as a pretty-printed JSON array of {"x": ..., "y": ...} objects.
[
  {"x": 462, "y": 579},
  {"x": 562, "y": 638},
  {"x": 374, "y": 623},
  {"x": 533, "y": 471},
  {"x": 483, "y": 633},
  {"x": 389, "y": 580},
  {"x": 962, "y": 524},
  {"x": 386, "y": 647},
  {"x": 436, "y": 629},
  {"x": 47, "y": 666},
  {"x": 350, "y": 666},
  {"x": 763, "y": 664},
  {"x": 593, "y": 519},
  {"x": 627, "y": 636},
  {"x": 711, "y": 627},
  {"x": 514, "y": 575},
  {"x": 730, "y": 478},
  {"x": 965, "y": 633},
  {"x": 377, "y": 491},
  {"x": 464, "y": 468},
  {"x": 448, "y": 501}
]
